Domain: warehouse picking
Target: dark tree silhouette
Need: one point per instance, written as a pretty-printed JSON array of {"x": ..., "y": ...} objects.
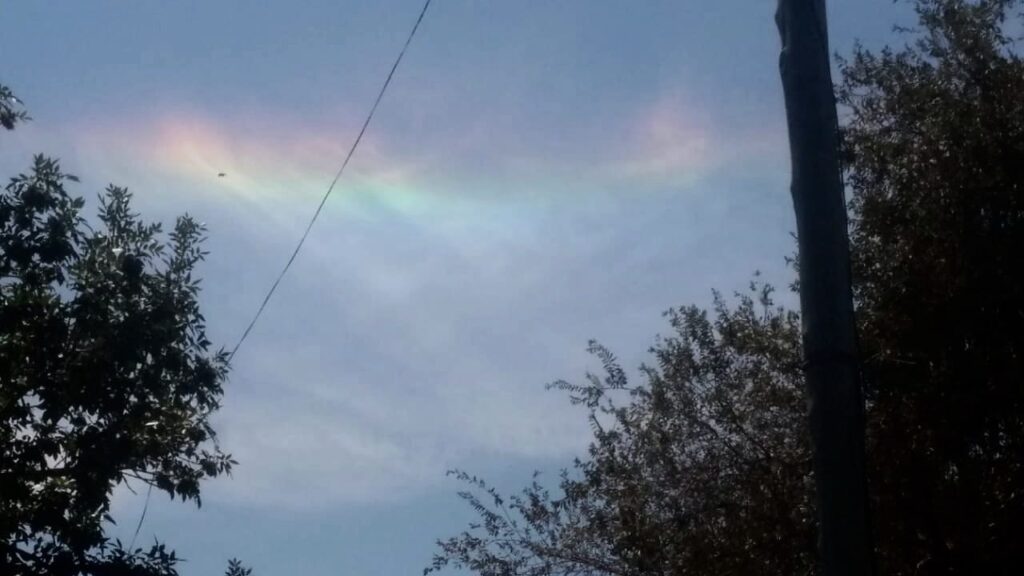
[
  {"x": 704, "y": 468},
  {"x": 235, "y": 568},
  {"x": 935, "y": 143},
  {"x": 11, "y": 111},
  {"x": 106, "y": 375}
]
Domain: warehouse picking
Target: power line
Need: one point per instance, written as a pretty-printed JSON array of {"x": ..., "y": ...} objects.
[
  {"x": 316, "y": 214},
  {"x": 330, "y": 189},
  {"x": 142, "y": 518}
]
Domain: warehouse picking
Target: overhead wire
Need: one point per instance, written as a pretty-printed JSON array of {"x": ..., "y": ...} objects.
[
  {"x": 142, "y": 518},
  {"x": 334, "y": 182},
  {"x": 312, "y": 220}
]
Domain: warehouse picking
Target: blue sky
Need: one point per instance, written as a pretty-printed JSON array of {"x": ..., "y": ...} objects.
[{"x": 539, "y": 174}]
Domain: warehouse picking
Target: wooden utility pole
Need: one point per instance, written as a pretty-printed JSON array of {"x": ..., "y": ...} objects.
[{"x": 826, "y": 300}]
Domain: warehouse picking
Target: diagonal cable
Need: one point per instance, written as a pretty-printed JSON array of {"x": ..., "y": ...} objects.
[{"x": 330, "y": 189}]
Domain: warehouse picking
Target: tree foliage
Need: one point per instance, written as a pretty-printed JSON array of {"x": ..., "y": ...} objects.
[
  {"x": 11, "y": 111},
  {"x": 935, "y": 140},
  {"x": 235, "y": 568},
  {"x": 106, "y": 375},
  {"x": 704, "y": 468}
]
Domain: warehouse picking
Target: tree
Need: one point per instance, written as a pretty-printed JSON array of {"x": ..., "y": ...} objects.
[
  {"x": 934, "y": 154},
  {"x": 704, "y": 469},
  {"x": 935, "y": 145},
  {"x": 10, "y": 109},
  {"x": 106, "y": 375},
  {"x": 235, "y": 568}
]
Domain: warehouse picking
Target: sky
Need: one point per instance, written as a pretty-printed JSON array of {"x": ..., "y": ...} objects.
[{"x": 540, "y": 173}]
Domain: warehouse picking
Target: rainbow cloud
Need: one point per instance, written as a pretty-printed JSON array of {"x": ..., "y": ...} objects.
[
  {"x": 669, "y": 142},
  {"x": 261, "y": 165},
  {"x": 675, "y": 142}
]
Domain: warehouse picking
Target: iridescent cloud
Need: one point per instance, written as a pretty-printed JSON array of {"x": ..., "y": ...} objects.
[{"x": 668, "y": 142}]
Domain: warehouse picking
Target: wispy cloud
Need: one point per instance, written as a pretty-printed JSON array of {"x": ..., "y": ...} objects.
[
  {"x": 671, "y": 140},
  {"x": 668, "y": 140},
  {"x": 446, "y": 311}
]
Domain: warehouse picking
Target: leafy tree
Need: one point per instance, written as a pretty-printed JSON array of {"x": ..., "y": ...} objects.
[
  {"x": 10, "y": 109},
  {"x": 935, "y": 140},
  {"x": 703, "y": 469},
  {"x": 235, "y": 568},
  {"x": 106, "y": 375}
]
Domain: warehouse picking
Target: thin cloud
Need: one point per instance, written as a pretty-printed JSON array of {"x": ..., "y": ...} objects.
[
  {"x": 420, "y": 339},
  {"x": 670, "y": 140}
]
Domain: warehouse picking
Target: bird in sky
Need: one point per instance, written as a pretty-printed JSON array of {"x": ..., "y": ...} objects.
[{"x": 221, "y": 175}]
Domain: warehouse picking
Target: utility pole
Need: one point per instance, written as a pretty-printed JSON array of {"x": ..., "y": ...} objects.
[{"x": 826, "y": 300}]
